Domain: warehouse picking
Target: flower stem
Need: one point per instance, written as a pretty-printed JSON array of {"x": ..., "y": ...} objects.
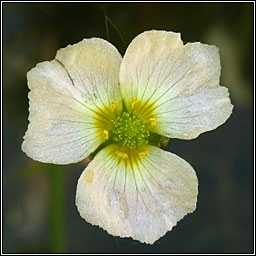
[{"x": 57, "y": 218}]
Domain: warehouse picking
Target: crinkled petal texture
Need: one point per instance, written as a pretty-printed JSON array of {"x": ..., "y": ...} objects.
[
  {"x": 69, "y": 102},
  {"x": 141, "y": 198},
  {"x": 176, "y": 84}
]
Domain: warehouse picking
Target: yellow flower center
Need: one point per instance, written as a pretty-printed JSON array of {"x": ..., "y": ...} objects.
[
  {"x": 129, "y": 130},
  {"x": 132, "y": 130}
]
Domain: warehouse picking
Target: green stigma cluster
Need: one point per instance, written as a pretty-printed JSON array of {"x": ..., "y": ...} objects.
[{"x": 129, "y": 130}]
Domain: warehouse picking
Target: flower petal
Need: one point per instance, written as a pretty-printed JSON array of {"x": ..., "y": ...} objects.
[
  {"x": 93, "y": 65},
  {"x": 68, "y": 115},
  {"x": 162, "y": 73},
  {"x": 138, "y": 197},
  {"x": 144, "y": 65},
  {"x": 186, "y": 117}
]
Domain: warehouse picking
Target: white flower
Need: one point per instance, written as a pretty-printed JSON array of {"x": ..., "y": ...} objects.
[{"x": 89, "y": 98}]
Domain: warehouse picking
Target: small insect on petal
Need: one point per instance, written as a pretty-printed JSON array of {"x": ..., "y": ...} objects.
[
  {"x": 89, "y": 175},
  {"x": 143, "y": 154},
  {"x": 106, "y": 134}
]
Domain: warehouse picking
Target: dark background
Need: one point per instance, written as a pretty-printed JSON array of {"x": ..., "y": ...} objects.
[{"x": 39, "y": 212}]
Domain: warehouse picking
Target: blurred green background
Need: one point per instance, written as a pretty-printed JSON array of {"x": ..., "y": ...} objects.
[{"x": 39, "y": 212}]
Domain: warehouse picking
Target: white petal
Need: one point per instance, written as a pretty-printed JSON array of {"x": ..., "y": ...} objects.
[
  {"x": 164, "y": 74},
  {"x": 93, "y": 65},
  {"x": 67, "y": 115},
  {"x": 142, "y": 198},
  {"x": 186, "y": 117},
  {"x": 144, "y": 65}
]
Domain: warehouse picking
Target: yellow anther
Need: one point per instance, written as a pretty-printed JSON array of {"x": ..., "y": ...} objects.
[
  {"x": 143, "y": 154},
  {"x": 152, "y": 121},
  {"x": 89, "y": 175},
  {"x": 121, "y": 155},
  {"x": 112, "y": 106},
  {"x": 134, "y": 103},
  {"x": 105, "y": 134}
]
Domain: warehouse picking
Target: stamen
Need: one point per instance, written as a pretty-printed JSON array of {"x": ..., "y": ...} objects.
[
  {"x": 105, "y": 134},
  {"x": 143, "y": 154},
  {"x": 152, "y": 121},
  {"x": 134, "y": 103},
  {"x": 113, "y": 106},
  {"x": 121, "y": 155}
]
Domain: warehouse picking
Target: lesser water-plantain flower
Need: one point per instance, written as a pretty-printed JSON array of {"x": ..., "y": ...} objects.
[{"x": 90, "y": 99}]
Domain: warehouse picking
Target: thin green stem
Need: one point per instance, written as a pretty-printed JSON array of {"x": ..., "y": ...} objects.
[
  {"x": 106, "y": 23},
  {"x": 107, "y": 19},
  {"x": 57, "y": 218}
]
